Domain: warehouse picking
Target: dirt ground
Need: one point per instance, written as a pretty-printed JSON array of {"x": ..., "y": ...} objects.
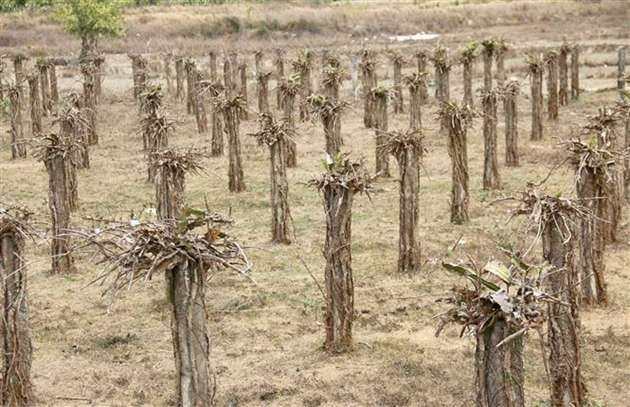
[{"x": 266, "y": 337}]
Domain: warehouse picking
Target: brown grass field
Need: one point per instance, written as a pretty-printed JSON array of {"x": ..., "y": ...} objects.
[{"x": 266, "y": 337}]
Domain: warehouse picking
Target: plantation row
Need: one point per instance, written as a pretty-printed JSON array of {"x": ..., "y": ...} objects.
[{"x": 506, "y": 299}]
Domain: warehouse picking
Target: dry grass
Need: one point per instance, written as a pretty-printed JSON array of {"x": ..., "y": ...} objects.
[{"x": 265, "y": 340}]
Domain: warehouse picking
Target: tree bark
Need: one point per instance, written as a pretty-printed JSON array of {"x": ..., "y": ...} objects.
[
  {"x": 563, "y": 73},
  {"x": 408, "y": 244},
  {"x": 18, "y": 144},
  {"x": 280, "y": 214},
  {"x": 536, "y": 75},
  {"x": 199, "y": 100},
  {"x": 189, "y": 68},
  {"x": 458, "y": 151},
  {"x": 279, "y": 63},
  {"x": 499, "y": 375},
  {"x": 191, "y": 346},
  {"x": 170, "y": 184},
  {"x": 338, "y": 272},
  {"x": 421, "y": 60},
  {"x": 89, "y": 103},
  {"x": 500, "y": 59},
  {"x": 552, "y": 86},
  {"x": 510, "y": 104},
  {"x": 217, "y": 133},
  {"x": 59, "y": 197},
  {"x": 243, "y": 92},
  {"x": 575, "y": 72},
  {"x": 467, "y": 67},
  {"x": 17, "y": 349},
  {"x": 487, "y": 54},
  {"x": 415, "y": 106},
  {"x": 491, "y": 177},
  {"x": 567, "y": 386},
  {"x": 306, "y": 88},
  {"x": 168, "y": 74},
  {"x": 398, "y": 92},
  {"x": 592, "y": 243},
  {"x": 288, "y": 102},
  {"x": 368, "y": 82},
  {"x": 18, "y": 68},
  {"x": 54, "y": 88},
  {"x": 212, "y": 56},
  {"x": 263, "y": 92},
  {"x": 36, "y": 110},
  {"x": 179, "y": 78},
  {"x": 98, "y": 77},
  {"x": 46, "y": 105},
  {"x": 381, "y": 127},
  {"x": 235, "y": 169}
]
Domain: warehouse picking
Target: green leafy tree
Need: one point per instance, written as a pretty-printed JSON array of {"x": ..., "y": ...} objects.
[{"x": 90, "y": 19}]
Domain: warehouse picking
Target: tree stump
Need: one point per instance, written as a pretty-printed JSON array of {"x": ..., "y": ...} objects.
[
  {"x": 289, "y": 89},
  {"x": 179, "y": 78},
  {"x": 551, "y": 60},
  {"x": 279, "y": 66},
  {"x": 397, "y": 61},
  {"x": 46, "y": 103},
  {"x": 575, "y": 72},
  {"x": 536, "y": 66},
  {"x": 457, "y": 118},
  {"x": 415, "y": 82},
  {"x": 509, "y": 94},
  {"x": 243, "y": 90},
  {"x": 18, "y": 143},
  {"x": 17, "y": 349},
  {"x": 368, "y": 82},
  {"x": 339, "y": 184},
  {"x": 36, "y": 110},
  {"x": 563, "y": 74},
  {"x": 275, "y": 135},
  {"x": 421, "y": 62},
  {"x": 230, "y": 108},
  {"x": 380, "y": 95},
  {"x": 491, "y": 177},
  {"x": 408, "y": 150},
  {"x": 488, "y": 52},
  {"x": 89, "y": 102}
]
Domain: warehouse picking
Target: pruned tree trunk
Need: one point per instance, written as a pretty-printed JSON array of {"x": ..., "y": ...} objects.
[
  {"x": 510, "y": 108},
  {"x": 179, "y": 78},
  {"x": 626, "y": 161},
  {"x": 227, "y": 78},
  {"x": 552, "y": 85},
  {"x": 575, "y": 72},
  {"x": 54, "y": 88},
  {"x": 89, "y": 102},
  {"x": 185, "y": 292},
  {"x": 59, "y": 202},
  {"x": 288, "y": 107},
  {"x": 491, "y": 177},
  {"x": 488, "y": 53},
  {"x": 18, "y": 144},
  {"x": 338, "y": 272},
  {"x": 467, "y": 67},
  {"x": 18, "y": 69},
  {"x": 36, "y": 110},
  {"x": 368, "y": 82},
  {"x": 200, "y": 108},
  {"x": 621, "y": 71},
  {"x": 189, "y": 68},
  {"x": 17, "y": 349},
  {"x": 279, "y": 64},
  {"x": 306, "y": 87},
  {"x": 263, "y": 92},
  {"x": 415, "y": 106},
  {"x": 46, "y": 105},
  {"x": 235, "y": 169},
  {"x": 536, "y": 77},
  {"x": 458, "y": 152},
  {"x": 381, "y": 127},
  {"x": 499, "y": 377},
  {"x": 421, "y": 61},
  {"x": 398, "y": 93},
  {"x": 243, "y": 74},
  {"x": 72, "y": 126},
  {"x": 98, "y": 77},
  {"x": 567, "y": 386},
  {"x": 408, "y": 244},
  {"x": 500, "y": 58},
  {"x": 191, "y": 345},
  {"x": 212, "y": 56},
  {"x": 217, "y": 132},
  {"x": 168, "y": 74},
  {"x": 592, "y": 239},
  {"x": 233, "y": 57},
  {"x": 443, "y": 93},
  {"x": 563, "y": 73}
]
